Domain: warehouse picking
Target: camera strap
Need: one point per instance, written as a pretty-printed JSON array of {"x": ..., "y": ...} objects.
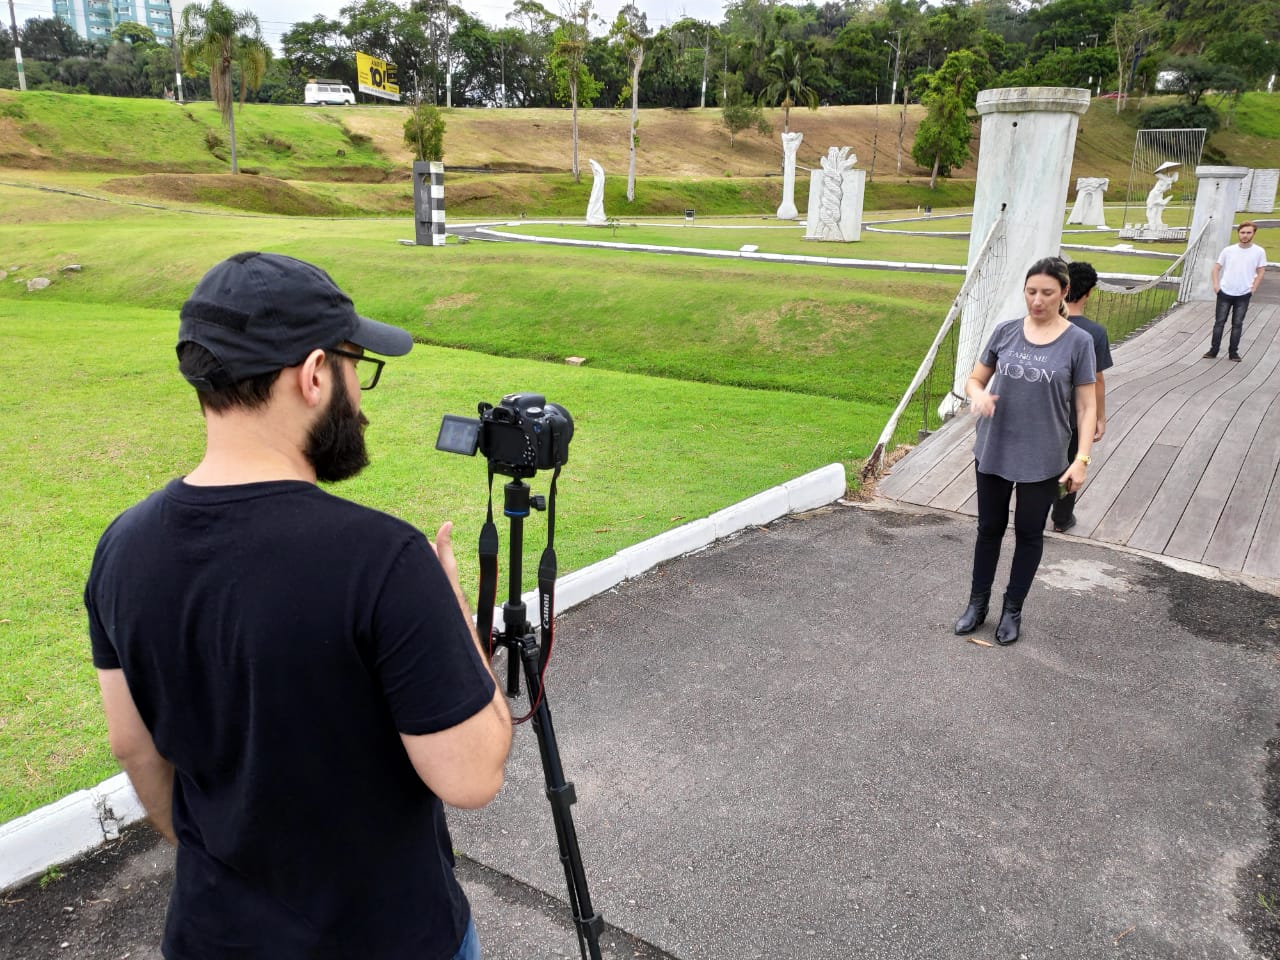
[
  {"x": 547, "y": 578},
  {"x": 488, "y": 576}
]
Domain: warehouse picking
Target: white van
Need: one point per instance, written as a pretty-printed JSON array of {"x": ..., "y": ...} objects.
[{"x": 327, "y": 91}]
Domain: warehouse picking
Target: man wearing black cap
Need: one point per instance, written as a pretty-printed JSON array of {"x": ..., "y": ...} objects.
[{"x": 291, "y": 680}]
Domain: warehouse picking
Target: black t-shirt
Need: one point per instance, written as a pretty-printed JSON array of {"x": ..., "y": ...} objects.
[
  {"x": 1101, "y": 345},
  {"x": 276, "y": 640}
]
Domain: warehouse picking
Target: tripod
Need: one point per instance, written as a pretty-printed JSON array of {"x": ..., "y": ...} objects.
[{"x": 520, "y": 641}]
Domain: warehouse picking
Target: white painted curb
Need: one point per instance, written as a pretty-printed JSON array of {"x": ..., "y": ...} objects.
[
  {"x": 78, "y": 823},
  {"x": 66, "y": 829}
]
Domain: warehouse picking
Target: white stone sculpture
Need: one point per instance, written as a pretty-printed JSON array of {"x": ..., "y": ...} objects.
[
  {"x": 1262, "y": 190},
  {"x": 1246, "y": 187},
  {"x": 835, "y": 198},
  {"x": 790, "y": 144},
  {"x": 595, "y": 204},
  {"x": 1158, "y": 198},
  {"x": 1087, "y": 209}
]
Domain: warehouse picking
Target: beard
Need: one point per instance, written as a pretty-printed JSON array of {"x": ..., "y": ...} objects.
[{"x": 335, "y": 443}]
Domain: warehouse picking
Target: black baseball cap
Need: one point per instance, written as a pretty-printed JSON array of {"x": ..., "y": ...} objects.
[{"x": 261, "y": 312}]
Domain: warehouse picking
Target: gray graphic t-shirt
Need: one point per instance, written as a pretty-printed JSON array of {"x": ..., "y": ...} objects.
[{"x": 1026, "y": 440}]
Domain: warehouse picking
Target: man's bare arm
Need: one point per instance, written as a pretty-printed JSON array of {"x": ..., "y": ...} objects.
[
  {"x": 1100, "y": 394},
  {"x": 464, "y": 766},
  {"x": 131, "y": 744}
]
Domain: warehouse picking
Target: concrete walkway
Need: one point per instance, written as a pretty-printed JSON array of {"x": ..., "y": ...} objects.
[{"x": 781, "y": 751}]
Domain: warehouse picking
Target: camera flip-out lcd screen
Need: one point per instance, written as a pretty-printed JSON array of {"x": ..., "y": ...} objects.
[{"x": 459, "y": 435}]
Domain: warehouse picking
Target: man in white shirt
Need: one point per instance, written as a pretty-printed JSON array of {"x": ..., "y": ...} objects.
[{"x": 1236, "y": 277}]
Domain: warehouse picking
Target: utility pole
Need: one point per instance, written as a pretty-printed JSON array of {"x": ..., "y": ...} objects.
[
  {"x": 706, "y": 55},
  {"x": 875, "y": 137},
  {"x": 902, "y": 117},
  {"x": 897, "y": 57},
  {"x": 177, "y": 57},
  {"x": 17, "y": 49},
  {"x": 902, "y": 123},
  {"x": 448, "y": 62}
]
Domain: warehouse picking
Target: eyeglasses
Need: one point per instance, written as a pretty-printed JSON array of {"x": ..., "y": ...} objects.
[{"x": 368, "y": 369}]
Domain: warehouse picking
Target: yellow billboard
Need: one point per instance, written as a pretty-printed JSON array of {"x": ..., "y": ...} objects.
[{"x": 377, "y": 77}]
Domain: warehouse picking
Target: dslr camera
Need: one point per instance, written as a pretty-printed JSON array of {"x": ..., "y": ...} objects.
[{"x": 520, "y": 436}]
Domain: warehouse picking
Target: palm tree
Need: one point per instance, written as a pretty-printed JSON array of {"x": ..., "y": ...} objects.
[
  {"x": 221, "y": 39},
  {"x": 789, "y": 76}
]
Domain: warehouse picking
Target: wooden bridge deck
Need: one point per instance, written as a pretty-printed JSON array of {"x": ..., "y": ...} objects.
[{"x": 1190, "y": 463}]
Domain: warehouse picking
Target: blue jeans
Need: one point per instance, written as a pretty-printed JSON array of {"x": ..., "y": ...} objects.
[
  {"x": 470, "y": 948},
  {"x": 1236, "y": 306}
]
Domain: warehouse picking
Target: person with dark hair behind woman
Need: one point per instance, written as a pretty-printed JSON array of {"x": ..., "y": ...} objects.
[
  {"x": 1083, "y": 279},
  {"x": 1034, "y": 370}
]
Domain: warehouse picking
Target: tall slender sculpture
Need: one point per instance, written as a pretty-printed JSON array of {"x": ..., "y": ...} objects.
[
  {"x": 595, "y": 204},
  {"x": 790, "y": 144}
]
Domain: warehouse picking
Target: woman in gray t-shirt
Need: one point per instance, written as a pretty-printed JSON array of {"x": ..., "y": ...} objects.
[{"x": 1035, "y": 371}]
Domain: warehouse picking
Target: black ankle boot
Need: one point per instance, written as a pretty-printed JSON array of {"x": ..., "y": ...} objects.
[
  {"x": 1010, "y": 622},
  {"x": 975, "y": 614}
]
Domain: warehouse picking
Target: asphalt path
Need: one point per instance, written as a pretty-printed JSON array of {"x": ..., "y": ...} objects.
[{"x": 780, "y": 750}]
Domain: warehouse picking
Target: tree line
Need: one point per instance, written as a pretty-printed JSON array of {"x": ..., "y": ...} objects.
[
  {"x": 761, "y": 53},
  {"x": 854, "y": 51}
]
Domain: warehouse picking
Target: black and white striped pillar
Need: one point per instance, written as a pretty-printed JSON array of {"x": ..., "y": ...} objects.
[{"x": 428, "y": 203}]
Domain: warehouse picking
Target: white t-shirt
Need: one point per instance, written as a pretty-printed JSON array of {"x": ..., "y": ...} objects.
[{"x": 1238, "y": 266}]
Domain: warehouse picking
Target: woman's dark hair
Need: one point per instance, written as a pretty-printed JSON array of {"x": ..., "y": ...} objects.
[
  {"x": 195, "y": 361},
  {"x": 1083, "y": 279},
  {"x": 1054, "y": 267}
]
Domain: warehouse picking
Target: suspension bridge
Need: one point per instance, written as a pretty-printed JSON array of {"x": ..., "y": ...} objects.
[{"x": 1189, "y": 467}]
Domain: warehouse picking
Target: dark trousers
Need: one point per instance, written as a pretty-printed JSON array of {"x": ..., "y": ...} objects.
[
  {"x": 1029, "y": 515},
  {"x": 1237, "y": 307},
  {"x": 1064, "y": 508}
]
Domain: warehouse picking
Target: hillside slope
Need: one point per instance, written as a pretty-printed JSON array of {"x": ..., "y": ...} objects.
[{"x": 62, "y": 132}]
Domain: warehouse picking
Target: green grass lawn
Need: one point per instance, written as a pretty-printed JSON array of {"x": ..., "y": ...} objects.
[
  {"x": 770, "y": 237},
  {"x": 896, "y": 242},
  {"x": 704, "y": 384},
  {"x": 95, "y": 417},
  {"x": 846, "y": 334},
  {"x": 117, "y": 133}
]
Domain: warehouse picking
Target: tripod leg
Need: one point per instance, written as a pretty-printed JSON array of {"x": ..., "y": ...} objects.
[{"x": 561, "y": 794}]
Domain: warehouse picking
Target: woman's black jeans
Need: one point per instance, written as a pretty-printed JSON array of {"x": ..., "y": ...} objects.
[{"x": 1034, "y": 501}]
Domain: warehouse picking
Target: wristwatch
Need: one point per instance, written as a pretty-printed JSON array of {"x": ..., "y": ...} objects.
[{"x": 1083, "y": 458}]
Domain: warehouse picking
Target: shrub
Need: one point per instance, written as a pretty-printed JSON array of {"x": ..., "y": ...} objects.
[
  {"x": 1180, "y": 116},
  {"x": 424, "y": 132}
]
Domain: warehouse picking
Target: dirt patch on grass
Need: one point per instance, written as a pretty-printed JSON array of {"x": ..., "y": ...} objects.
[
  {"x": 454, "y": 301},
  {"x": 825, "y": 327},
  {"x": 339, "y": 173},
  {"x": 14, "y": 148},
  {"x": 239, "y": 192}
]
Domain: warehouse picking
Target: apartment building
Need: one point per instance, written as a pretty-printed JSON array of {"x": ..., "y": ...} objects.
[{"x": 95, "y": 19}]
